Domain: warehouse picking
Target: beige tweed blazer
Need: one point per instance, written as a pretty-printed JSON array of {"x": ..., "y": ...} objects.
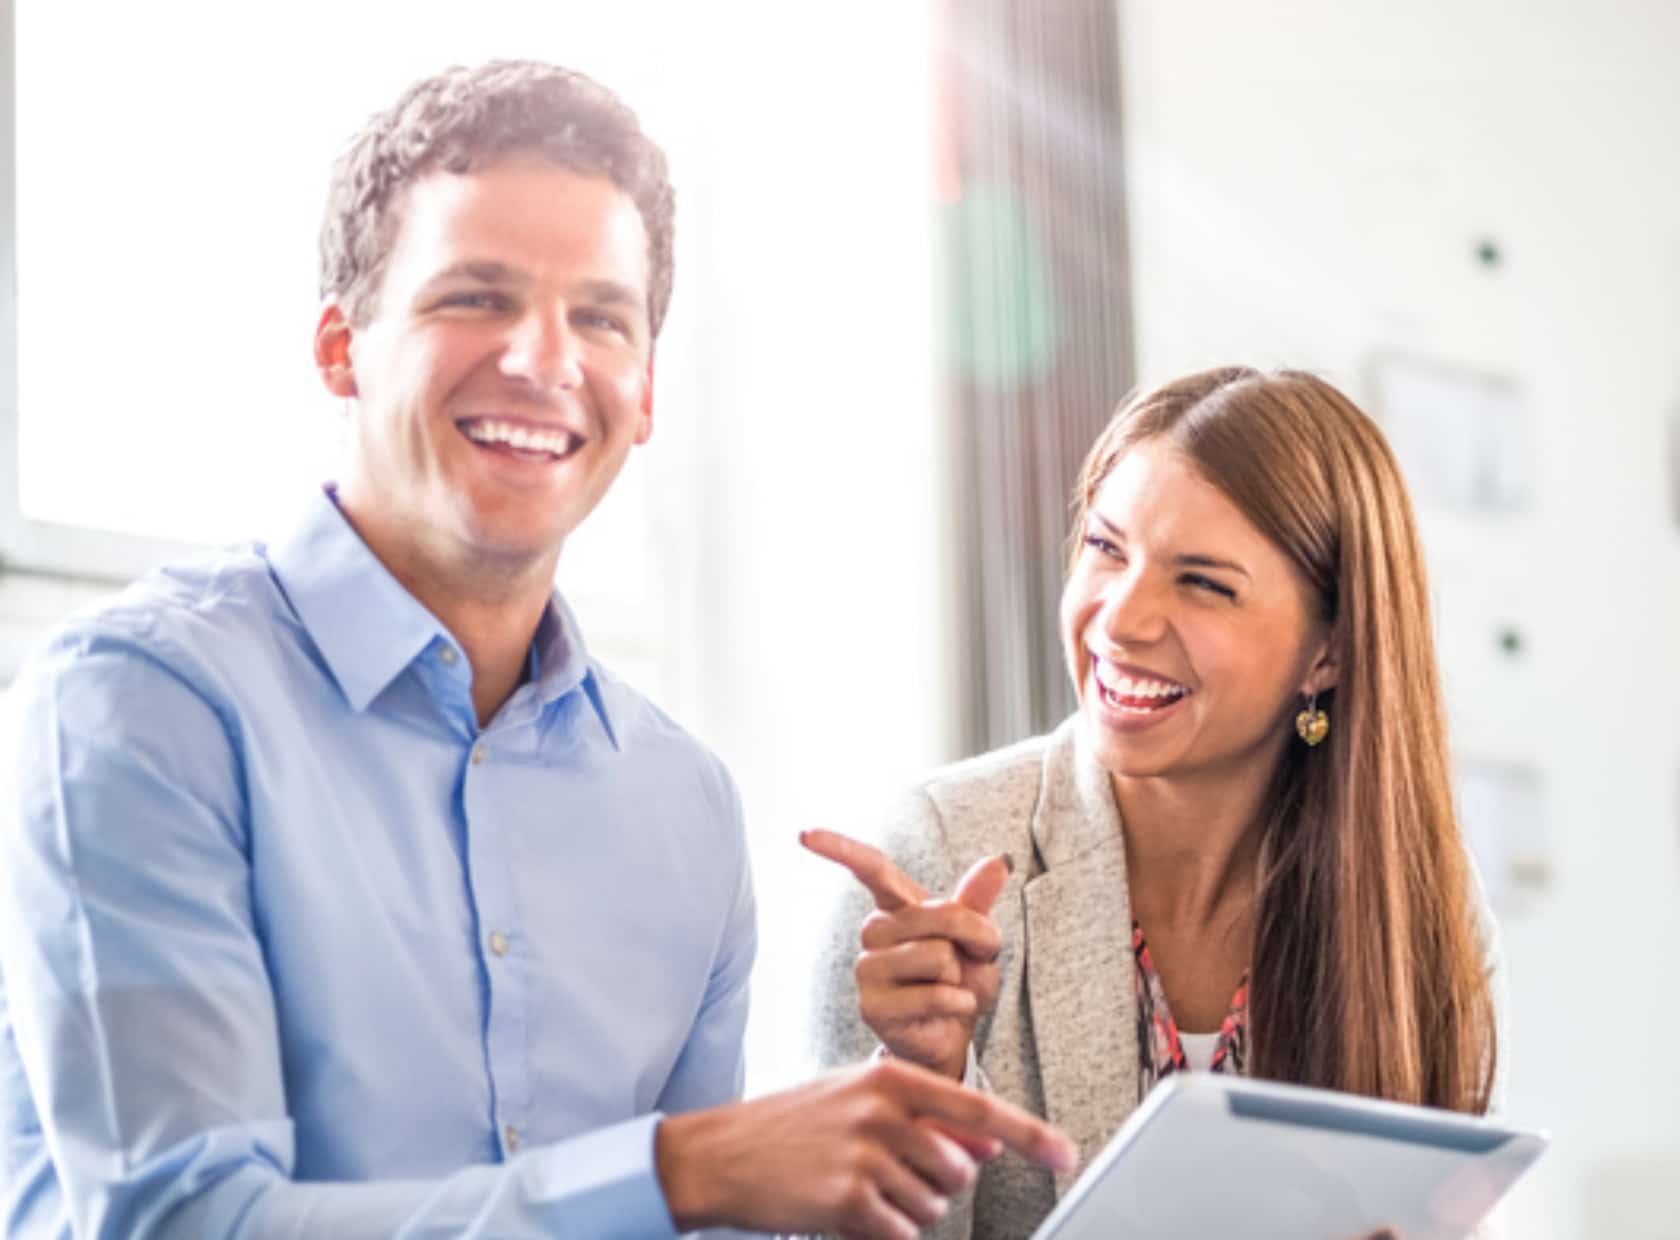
[{"x": 1062, "y": 1041}]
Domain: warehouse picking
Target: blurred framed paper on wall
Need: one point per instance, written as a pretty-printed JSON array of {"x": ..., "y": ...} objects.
[
  {"x": 1503, "y": 815},
  {"x": 1463, "y": 437}
]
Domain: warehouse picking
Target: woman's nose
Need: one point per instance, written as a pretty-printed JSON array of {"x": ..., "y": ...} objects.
[{"x": 1132, "y": 612}]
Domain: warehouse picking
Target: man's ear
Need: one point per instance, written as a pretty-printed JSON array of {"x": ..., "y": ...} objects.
[
  {"x": 1321, "y": 672},
  {"x": 644, "y": 430},
  {"x": 332, "y": 350}
]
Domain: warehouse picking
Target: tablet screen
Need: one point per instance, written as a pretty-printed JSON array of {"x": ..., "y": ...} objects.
[{"x": 1209, "y": 1155}]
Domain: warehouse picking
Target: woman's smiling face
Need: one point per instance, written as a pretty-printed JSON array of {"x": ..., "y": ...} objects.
[{"x": 1190, "y": 636}]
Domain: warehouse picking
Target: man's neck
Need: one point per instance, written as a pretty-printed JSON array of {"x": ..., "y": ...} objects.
[
  {"x": 497, "y": 637},
  {"x": 491, "y": 607}
]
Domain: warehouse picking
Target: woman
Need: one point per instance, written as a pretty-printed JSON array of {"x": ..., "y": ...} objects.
[{"x": 1241, "y": 853}]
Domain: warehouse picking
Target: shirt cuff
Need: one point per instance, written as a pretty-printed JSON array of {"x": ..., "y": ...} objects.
[{"x": 604, "y": 1183}]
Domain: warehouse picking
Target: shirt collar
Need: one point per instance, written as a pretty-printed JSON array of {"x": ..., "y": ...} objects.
[
  {"x": 366, "y": 626},
  {"x": 560, "y": 663},
  {"x": 369, "y": 628}
]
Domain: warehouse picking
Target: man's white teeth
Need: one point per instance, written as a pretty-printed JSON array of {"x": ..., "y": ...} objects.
[{"x": 556, "y": 443}]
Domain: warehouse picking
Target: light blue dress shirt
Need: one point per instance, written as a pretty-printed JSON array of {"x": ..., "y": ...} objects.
[{"x": 291, "y": 947}]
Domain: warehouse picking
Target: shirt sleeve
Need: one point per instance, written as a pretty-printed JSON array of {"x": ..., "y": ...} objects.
[
  {"x": 711, "y": 1068},
  {"x": 141, "y": 1009}
]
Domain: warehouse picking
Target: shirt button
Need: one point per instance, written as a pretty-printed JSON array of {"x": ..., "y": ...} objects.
[
  {"x": 498, "y": 942},
  {"x": 447, "y": 656},
  {"x": 510, "y": 1138},
  {"x": 478, "y": 754}
]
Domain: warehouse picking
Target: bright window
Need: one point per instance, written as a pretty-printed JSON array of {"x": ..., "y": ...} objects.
[{"x": 171, "y": 165}]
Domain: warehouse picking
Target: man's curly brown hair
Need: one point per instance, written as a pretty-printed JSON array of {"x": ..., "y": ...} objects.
[{"x": 462, "y": 120}]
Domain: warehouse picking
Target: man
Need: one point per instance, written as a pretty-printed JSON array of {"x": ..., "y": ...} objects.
[{"x": 347, "y": 895}]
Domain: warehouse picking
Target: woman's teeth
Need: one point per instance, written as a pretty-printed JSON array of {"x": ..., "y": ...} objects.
[{"x": 1136, "y": 695}]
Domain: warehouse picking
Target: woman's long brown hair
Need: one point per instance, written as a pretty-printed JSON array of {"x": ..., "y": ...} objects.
[{"x": 1368, "y": 971}]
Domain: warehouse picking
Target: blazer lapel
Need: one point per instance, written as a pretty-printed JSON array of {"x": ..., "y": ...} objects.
[{"x": 1078, "y": 943}]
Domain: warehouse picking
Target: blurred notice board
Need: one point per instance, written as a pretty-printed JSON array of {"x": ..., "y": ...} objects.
[{"x": 1463, "y": 437}]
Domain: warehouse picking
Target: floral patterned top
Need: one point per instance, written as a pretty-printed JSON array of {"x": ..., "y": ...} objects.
[{"x": 1160, "y": 1053}]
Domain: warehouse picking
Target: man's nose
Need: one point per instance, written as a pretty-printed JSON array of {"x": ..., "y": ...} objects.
[{"x": 544, "y": 353}]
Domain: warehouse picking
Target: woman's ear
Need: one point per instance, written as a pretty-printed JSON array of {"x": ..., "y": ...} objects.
[
  {"x": 1321, "y": 673},
  {"x": 332, "y": 350}
]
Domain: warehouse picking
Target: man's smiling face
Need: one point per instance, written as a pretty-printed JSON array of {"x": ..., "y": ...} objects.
[{"x": 504, "y": 373}]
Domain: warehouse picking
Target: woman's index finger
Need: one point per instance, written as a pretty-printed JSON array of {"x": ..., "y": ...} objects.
[{"x": 891, "y": 887}]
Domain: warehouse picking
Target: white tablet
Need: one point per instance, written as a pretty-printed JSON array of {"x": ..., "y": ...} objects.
[{"x": 1209, "y": 1155}]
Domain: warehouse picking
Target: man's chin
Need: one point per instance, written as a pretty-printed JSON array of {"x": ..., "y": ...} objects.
[{"x": 509, "y": 548}]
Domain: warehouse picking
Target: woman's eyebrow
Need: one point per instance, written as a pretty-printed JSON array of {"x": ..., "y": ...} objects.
[
  {"x": 1208, "y": 561},
  {"x": 1188, "y": 560}
]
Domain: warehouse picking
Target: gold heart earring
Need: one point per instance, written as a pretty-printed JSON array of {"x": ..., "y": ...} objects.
[{"x": 1312, "y": 723}]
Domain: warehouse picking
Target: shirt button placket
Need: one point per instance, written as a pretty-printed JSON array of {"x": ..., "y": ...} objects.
[{"x": 504, "y": 1030}]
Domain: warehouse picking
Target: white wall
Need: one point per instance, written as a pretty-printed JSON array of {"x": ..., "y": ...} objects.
[
  {"x": 808, "y": 589},
  {"x": 1309, "y": 181}
]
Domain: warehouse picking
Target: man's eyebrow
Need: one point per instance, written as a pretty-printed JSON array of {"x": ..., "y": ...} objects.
[
  {"x": 489, "y": 271},
  {"x": 611, "y": 293},
  {"x": 1191, "y": 560},
  {"x": 484, "y": 271}
]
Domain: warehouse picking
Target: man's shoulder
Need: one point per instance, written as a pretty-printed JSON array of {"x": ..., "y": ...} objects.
[
  {"x": 648, "y": 737},
  {"x": 161, "y": 667},
  {"x": 218, "y": 610}
]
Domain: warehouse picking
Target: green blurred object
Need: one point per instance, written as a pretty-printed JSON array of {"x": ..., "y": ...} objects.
[{"x": 1004, "y": 327}]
